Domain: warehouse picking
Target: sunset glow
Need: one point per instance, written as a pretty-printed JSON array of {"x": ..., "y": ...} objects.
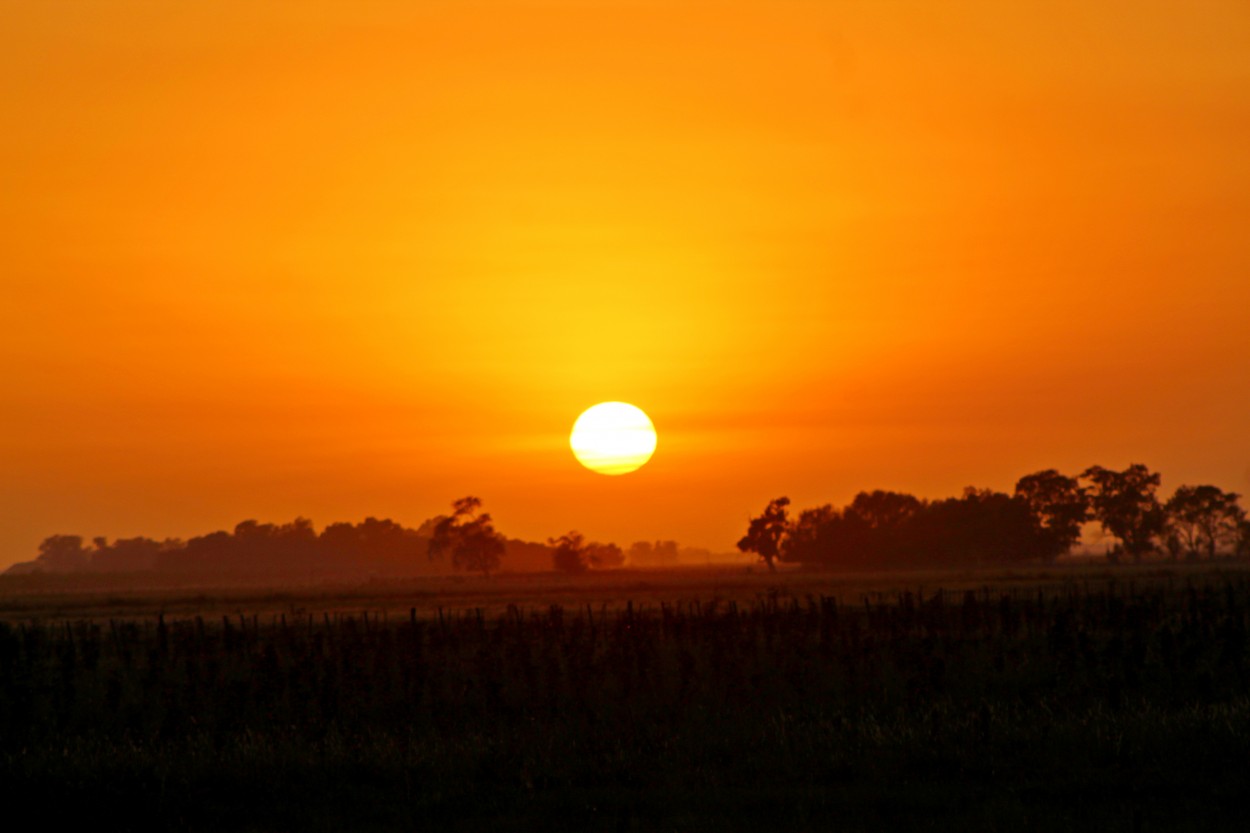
[
  {"x": 323, "y": 504},
  {"x": 347, "y": 259}
]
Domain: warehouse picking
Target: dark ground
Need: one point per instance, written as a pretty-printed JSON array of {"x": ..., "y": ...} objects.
[{"x": 1058, "y": 699}]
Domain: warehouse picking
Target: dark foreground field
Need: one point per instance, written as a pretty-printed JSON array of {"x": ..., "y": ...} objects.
[{"x": 1065, "y": 700}]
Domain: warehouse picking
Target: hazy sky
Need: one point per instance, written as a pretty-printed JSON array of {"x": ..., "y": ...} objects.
[{"x": 262, "y": 260}]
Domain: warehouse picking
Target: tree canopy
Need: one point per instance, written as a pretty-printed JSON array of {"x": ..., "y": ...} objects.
[
  {"x": 1041, "y": 521},
  {"x": 1202, "y": 519},
  {"x": 469, "y": 537},
  {"x": 765, "y": 533},
  {"x": 1058, "y": 505},
  {"x": 1125, "y": 503}
]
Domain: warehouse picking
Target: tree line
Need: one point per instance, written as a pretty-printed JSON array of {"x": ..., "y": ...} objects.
[
  {"x": 465, "y": 540},
  {"x": 373, "y": 545},
  {"x": 1040, "y": 521}
]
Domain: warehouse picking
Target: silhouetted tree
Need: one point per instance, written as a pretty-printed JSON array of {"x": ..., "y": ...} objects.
[
  {"x": 340, "y": 543},
  {"x": 569, "y": 553},
  {"x": 665, "y": 553},
  {"x": 604, "y": 556},
  {"x": 388, "y": 545},
  {"x": 653, "y": 553},
  {"x": 526, "y": 556},
  {"x": 981, "y": 527},
  {"x": 248, "y": 550},
  {"x": 890, "y": 529},
  {"x": 202, "y": 553},
  {"x": 875, "y": 526},
  {"x": 128, "y": 554},
  {"x": 470, "y": 538},
  {"x": 1124, "y": 502},
  {"x": 640, "y": 553},
  {"x": 1203, "y": 518},
  {"x": 62, "y": 554},
  {"x": 1058, "y": 505},
  {"x": 812, "y": 537},
  {"x": 839, "y": 538},
  {"x": 253, "y": 548},
  {"x": 885, "y": 510},
  {"x": 765, "y": 533}
]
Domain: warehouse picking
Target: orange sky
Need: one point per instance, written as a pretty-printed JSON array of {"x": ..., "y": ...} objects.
[{"x": 262, "y": 260}]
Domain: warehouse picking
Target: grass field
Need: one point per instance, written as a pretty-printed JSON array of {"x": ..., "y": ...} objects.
[
  {"x": 44, "y": 598},
  {"x": 1067, "y": 698}
]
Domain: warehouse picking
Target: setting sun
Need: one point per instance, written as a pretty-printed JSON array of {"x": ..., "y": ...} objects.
[{"x": 613, "y": 438}]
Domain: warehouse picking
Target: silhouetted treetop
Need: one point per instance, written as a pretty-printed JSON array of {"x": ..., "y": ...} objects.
[
  {"x": 1059, "y": 506},
  {"x": 765, "y": 533},
  {"x": 1124, "y": 502},
  {"x": 569, "y": 553},
  {"x": 885, "y": 510},
  {"x": 1040, "y": 521},
  {"x": 1202, "y": 520},
  {"x": 469, "y": 537}
]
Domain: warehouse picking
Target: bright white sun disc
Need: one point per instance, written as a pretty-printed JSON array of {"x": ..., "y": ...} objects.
[{"x": 613, "y": 438}]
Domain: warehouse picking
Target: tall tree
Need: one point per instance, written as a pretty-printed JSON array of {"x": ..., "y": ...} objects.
[
  {"x": 664, "y": 553},
  {"x": 885, "y": 510},
  {"x": 604, "y": 556},
  {"x": 469, "y": 537},
  {"x": 1124, "y": 502},
  {"x": 125, "y": 554},
  {"x": 1204, "y": 518},
  {"x": 815, "y": 537},
  {"x": 569, "y": 553},
  {"x": 876, "y": 526},
  {"x": 1058, "y": 505},
  {"x": 765, "y": 533},
  {"x": 62, "y": 554},
  {"x": 981, "y": 527}
]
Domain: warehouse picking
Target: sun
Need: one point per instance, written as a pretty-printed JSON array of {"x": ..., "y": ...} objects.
[{"x": 613, "y": 438}]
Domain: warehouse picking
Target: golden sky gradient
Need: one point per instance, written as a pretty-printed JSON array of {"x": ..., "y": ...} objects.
[{"x": 337, "y": 259}]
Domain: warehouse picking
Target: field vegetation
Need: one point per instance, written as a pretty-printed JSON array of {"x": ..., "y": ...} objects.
[{"x": 1072, "y": 698}]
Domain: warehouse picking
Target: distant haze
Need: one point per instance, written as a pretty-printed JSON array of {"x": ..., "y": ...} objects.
[{"x": 341, "y": 260}]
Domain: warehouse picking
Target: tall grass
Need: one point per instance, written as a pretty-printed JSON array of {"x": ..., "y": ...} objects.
[{"x": 1125, "y": 704}]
